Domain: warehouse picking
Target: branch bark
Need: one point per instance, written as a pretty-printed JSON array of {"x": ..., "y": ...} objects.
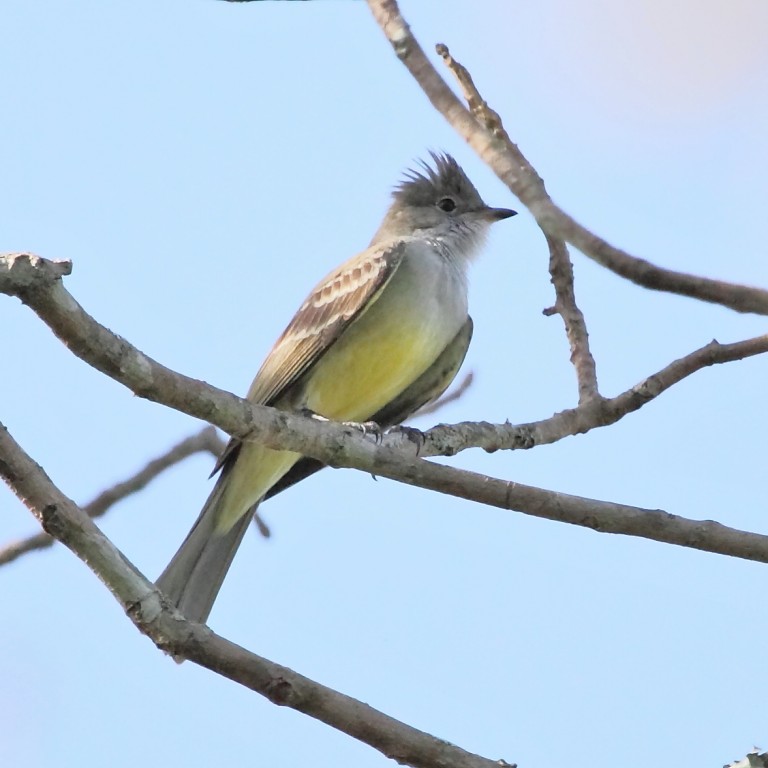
[{"x": 561, "y": 273}]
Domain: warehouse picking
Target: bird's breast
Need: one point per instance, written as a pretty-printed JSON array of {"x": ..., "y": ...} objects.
[{"x": 388, "y": 346}]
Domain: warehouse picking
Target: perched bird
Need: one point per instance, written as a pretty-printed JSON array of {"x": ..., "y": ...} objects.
[{"x": 378, "y": 338}]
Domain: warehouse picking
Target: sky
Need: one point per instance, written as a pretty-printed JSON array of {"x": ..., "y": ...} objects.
[{"x": 203, "y": 164}]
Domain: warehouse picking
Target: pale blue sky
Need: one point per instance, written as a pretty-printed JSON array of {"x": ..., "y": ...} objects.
[{"x": 203, "y": 164}]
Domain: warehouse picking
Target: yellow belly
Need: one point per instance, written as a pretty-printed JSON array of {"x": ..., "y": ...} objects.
[{"x": 367, "y": 370}]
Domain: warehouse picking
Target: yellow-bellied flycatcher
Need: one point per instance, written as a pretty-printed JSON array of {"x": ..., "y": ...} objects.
[{"x": 381, "y": 336}]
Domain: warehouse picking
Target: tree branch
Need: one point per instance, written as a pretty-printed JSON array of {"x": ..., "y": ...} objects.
[
  {"x": 171, "y": 632},
  {"x": 561, "y": 273},
  {"x": 205, "y": 440},
  {"x": 343, "y": 446},
  {"x": 484, "y": 133},
  {"x": 449, "y": 439}
]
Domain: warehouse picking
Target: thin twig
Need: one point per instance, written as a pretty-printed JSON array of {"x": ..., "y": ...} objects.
[
  {"x": 561, "y": 275},
  {"x": 478, "y": 106},
  {"x": 512, "y": 167},
  {"x": 205, "y": 440}
]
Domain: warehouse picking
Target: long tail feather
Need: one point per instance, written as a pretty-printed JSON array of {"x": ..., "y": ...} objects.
[{"x": 195, "y": 575}]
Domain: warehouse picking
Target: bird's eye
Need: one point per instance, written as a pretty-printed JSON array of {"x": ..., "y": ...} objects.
[{"x": 447, "y": 204}]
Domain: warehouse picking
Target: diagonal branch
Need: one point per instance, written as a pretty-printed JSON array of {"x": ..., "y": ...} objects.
[
  {"x": 511, "y": 166},
  {"x": 171, "y": 632},
  {"x": 340, "y": 445},
  {"x": 602, "y": 516}
]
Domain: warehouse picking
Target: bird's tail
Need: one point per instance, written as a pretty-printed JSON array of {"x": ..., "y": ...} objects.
[{"x": 194, "y": 577}]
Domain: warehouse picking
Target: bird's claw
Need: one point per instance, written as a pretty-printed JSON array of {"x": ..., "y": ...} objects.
[
  {"x": 367, "y": 428},
  {"x": 416, "y": 436},
  {"x": 372, "y": 428}
]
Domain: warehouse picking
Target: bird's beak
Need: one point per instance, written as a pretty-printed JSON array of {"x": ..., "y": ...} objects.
[{"x": 495, "y": 214}]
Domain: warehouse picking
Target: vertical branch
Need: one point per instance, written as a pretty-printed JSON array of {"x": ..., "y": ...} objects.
[{"x": 561, "y": 271}]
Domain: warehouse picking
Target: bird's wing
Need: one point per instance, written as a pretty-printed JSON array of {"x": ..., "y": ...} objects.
[
  {"x": 334, "y": 304},
  {"x": 427, "y": 388}
]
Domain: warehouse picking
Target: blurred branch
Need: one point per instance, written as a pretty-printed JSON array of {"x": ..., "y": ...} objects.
[
  {"x": 170, "y": 632},
  {"x": 449, "y": 397},
  {"x": 204, "y": 441},
  {"x": 482, "y": 129},
  {"x": 37, "y": 282}
]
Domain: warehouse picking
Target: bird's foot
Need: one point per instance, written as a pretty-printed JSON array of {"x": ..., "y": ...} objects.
[{"x": 367, "y": 428}]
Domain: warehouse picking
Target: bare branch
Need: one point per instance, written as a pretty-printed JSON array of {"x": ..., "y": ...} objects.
[
  {"x": 512, "y": 167},
  {"x": 205, "y": 440},
  {"x": 478, "y": 106},
  {"x": 602, "y": 516},
  {"x": 561, "y": 272},
  {"x": 343, "y": 446},
  {"x": 449, "y": 439},
  {"x": 145, "y": 606}
]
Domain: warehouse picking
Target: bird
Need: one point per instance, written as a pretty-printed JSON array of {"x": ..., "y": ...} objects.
[{"x": 378, "y": 338}]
